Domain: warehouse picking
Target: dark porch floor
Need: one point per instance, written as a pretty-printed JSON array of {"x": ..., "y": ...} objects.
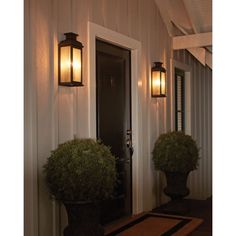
[{"x": 196, "y": 208}]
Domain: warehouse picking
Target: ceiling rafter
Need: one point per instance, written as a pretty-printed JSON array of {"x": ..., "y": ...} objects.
[
  {"x": 192, "y": 16},
  {"x": 163, "y": 9}
]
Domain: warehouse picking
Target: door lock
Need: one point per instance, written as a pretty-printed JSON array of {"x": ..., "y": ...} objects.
[
  {"x": 128, "y": 132},
  {"x": 129, "y": 143}
]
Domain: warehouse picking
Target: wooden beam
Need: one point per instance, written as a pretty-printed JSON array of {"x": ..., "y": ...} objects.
[
  {"x": 192, "y": 41},
  {"x": 180, "y": 28},
  {"x": 199, "y": 54},
  {"x": 209, "y": 59}
]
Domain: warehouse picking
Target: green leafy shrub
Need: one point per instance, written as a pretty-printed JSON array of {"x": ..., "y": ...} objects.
[
  {"x": 175, "y": 152},
  {"x": 81, "y": 170}
]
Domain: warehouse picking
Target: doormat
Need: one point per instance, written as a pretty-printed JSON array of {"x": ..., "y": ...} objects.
[{"x": 152, "y": 224}]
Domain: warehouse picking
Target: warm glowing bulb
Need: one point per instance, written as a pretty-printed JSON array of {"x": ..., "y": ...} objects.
[
  {"x": 65, "y": 64},
  {"x": 77, "y": 65},
  {"x": 157, "y": 82}
]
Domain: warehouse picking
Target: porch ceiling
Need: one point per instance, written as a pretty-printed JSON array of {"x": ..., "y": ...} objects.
[{"x": 189, "y": 23}]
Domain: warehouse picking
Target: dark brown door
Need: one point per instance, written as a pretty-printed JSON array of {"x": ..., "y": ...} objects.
[{"x": 114, "y": 122}]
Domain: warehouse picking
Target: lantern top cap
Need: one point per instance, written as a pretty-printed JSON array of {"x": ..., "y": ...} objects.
[
  {"x": 71, "y": 41},
  {"x": 158, "y": 63},
  {"x": 71, "y": 35},
  {"x": 158, "y": 67}
]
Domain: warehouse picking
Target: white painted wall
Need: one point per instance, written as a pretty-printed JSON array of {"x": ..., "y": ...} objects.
[
  {"x": 200, "y": 180},
  {"x": 55, "y": 114}
]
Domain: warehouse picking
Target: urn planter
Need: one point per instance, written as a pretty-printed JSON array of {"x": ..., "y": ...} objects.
[
  {"x": 80, "y": 173},
  {"x": 176, "y": 187},
  {"x": 83, "y": 219},
  {"x": 176, "y": 154}
]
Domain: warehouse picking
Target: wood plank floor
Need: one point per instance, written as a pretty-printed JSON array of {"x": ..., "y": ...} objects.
[{"x": 196, "y": 208}]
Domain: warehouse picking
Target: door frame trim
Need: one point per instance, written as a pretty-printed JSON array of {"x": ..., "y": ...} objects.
[{"x": 96, "y": 31}]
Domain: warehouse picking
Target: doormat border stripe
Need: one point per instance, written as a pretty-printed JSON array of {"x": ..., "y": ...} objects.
[{"x": 169, "y": 232}]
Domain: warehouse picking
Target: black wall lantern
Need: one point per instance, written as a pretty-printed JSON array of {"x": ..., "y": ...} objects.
[
  {"x": 70, "y": 61},
  {"x": 158, "y": 85}
]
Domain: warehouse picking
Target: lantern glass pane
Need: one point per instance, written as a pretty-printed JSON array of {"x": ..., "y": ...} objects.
[
  {"x": 65, "y": 64},
  {"x": 163, "y": 83},
  {"x": 156, "y": 82},
  {"x": 77, "y": 65}
]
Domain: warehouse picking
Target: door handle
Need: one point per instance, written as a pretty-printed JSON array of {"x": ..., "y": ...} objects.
[
  {"x": 131, "y": 151},
  {"x": 129, "y": 141},
  {"x": 128, "y": 132},
  {"x": 129, "y": 145}
]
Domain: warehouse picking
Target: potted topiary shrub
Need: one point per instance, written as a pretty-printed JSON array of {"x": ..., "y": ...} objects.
[
  {"x": 79, "y": 173},
  {"x": 176, "y": 154}
]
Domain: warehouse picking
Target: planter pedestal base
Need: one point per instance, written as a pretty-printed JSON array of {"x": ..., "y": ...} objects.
[
  {"x": 78, "y": 230},
  {"x": 176, "y": 207},
  {"x": 176, "y": 187},
  {"x": 83, "y": 220}
]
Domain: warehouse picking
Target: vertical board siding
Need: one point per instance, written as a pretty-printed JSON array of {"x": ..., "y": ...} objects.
[
  {"x": 61, "y": 112},
  {"x": 200, "y": 180},
  {"x": 30, "y": 132}
]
